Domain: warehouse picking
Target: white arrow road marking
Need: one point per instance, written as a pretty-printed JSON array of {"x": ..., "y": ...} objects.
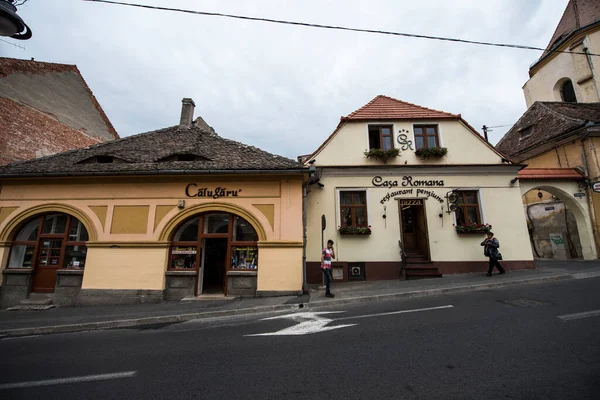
[
  {"x": 312, "y": 322},
  {"x": 75, "y": 379},
  {"x": 308, "y": 322},
  {"x": 585, "y": 314}
]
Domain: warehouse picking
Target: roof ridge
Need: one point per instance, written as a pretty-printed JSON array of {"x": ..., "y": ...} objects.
[
  {"x": 416, "y": 105},
  {"x": 556, "y": 112},
  {"x": 365, "y": 108}
]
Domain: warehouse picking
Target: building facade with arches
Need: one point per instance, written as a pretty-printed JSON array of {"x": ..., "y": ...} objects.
[{"x": 169, "y": 214}]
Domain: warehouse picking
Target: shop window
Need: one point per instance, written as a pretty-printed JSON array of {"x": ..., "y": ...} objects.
[
  {"x": 353, "y": 208},
  {"x": 188, "y": 232},
  {"x": 380, "y": 137},
  {"x": 216, "y": 223},
  {"x": 243, "y": 231},
  {"x": 183, "y": 257},
  {"x": 468, "y": 211},
  {"x": 426, "y": 136},
  {"x": 244, "y": 257},
  {"x": 55, "y": 240}
]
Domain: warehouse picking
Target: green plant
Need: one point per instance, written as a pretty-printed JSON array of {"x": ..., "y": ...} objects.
[
  {"x": 381, "y": 154},
  {"x": 431, "y": 152},
  {"x": 473, "y": 228},
  {"x": 355, "y": 230}
]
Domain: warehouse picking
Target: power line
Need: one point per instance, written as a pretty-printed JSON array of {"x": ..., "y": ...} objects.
[
  {"x": 342, "y": 28},
  {"x": 14, "y": 44}
]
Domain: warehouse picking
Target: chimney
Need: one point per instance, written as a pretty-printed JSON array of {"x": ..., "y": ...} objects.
[{"x": 187, "y": 113}]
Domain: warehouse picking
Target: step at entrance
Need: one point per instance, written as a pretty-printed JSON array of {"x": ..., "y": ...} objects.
[
  {"x": 35, "y": 301},
  {"x": 421, "y": 270}
]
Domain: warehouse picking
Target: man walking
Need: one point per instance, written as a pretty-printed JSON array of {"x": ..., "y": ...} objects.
[
  {"x": 490, "y": 250},
  {"x": 326, "y": 257}
]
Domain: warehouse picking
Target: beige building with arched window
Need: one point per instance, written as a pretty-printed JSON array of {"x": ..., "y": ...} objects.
[{"x": 174, "y": 213}]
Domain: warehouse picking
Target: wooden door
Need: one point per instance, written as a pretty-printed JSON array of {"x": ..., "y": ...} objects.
[
  {"x": 48, "y": 261},
  {"x": 414, "y": 227}
]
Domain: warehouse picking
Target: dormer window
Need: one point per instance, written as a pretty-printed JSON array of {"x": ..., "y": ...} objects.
[
  {"x": 102, "y": 160},
  {"x": 525, "y": 133},
  {"x": 183, "y": 157},
  {"x": 380, "y": 137}
]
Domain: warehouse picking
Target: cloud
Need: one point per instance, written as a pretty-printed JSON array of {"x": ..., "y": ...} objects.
[{"x": 283, "y": 88}]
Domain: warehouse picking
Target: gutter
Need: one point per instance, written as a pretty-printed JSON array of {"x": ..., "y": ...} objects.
[{"x": 158, "y": 172}]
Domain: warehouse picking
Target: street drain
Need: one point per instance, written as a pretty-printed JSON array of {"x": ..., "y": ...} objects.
[{"x": 527, "y": 303}]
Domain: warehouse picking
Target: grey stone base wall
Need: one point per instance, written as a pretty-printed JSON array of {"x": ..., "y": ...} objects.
[
  {"x": 16, "y": 284},
  {"x": 68, "y": 285},
  {"x": 179, "y": 284},
  {"x": 241, "y": 283},
  {"x": 275, "y": 293},
  {"x": 105, "y": 297}
]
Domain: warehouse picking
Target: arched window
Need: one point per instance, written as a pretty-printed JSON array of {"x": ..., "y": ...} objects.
[
  {"x": 567, "y": 92},
  {"x": 191, "y": 237},
  {"x": 46, "y": 243}
]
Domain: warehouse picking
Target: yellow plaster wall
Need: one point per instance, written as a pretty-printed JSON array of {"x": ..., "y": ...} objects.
[
  {"x": 5, "y": 212},
  {"x": 4, "y": 250},
  {"x": 501, "y": 205},
  {"x": 348, "y": 145},
  {"x": 268, "y": 211},
  {"x": 160, "y": 213},
  {"x": 100, "y": 211},
  {"x": 542, "y": 85},
  {"x": 280, "y": 269},
  {"x": 125, "y": 268},
  {"x": 129, "y": 219}
]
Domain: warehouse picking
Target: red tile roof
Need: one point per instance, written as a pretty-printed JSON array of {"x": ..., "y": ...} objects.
[
  {"x": 384, "y": 107},
  {"x": 550, "y": 173}
]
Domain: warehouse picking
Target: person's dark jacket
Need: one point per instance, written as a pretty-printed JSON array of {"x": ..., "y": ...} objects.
[{"x": 490, "y": 248}]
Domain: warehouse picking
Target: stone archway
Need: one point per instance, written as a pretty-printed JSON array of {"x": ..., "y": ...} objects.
[{"x": 564, "y": 191}]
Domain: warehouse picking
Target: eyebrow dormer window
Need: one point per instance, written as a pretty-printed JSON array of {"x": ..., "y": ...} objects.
[
  {"x": 105, "y": 159},
  {"x": 184, "y": 157},
  {"x": 101, "y": 160},
  {"x": 380, "y": 137},
  {"x": 524, "y": 133}
]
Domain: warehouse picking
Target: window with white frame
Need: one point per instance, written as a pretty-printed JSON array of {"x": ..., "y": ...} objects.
[
  {"x": 469, "y": 209},
  {"x": 426, "y": 136}
]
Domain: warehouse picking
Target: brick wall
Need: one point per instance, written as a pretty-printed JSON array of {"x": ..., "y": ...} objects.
[{"x": 27, "y": 133}]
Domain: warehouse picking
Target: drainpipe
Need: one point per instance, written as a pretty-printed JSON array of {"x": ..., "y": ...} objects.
[
  {"x": 304, "y": 286},
  {"x": 588, "y": 194},
  {"x": 591, "y": 65}
]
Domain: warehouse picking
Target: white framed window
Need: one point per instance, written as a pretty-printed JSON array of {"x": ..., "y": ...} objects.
[
  {"x": 380, "y": 136},
  {"x": 352, "y": 207},
  {"x": 470, "y": 207}
]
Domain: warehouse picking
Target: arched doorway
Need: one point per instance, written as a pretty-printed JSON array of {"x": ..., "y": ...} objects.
[
  {"x": 46, "y": 243},
  {"x": 212, "y": 244},
  {"x": 552, "y": 226}
]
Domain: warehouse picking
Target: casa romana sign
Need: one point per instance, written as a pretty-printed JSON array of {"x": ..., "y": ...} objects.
[
  {"x": 406, "y": 181},
  {"x": 192, "y": 190}
]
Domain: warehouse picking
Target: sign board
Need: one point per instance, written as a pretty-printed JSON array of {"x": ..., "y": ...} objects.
[
  {"x": 550, "y": 208},
  {"x": 579, "y": 195},
  {"x": 596, "y": 186},
  {"x": 558, "y": 246},
  {"x": 323, "y": 222},
  {"x": 410, "y": 202}
]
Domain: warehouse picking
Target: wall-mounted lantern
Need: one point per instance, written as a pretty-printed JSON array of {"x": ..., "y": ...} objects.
[{"x": 10, "y": 23}]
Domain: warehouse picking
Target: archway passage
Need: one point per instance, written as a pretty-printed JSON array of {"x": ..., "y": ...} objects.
[
  {"x": 211, "y": 244},
  {"x": 552, "y": 226},
  {"x": 46, "y": 243}
]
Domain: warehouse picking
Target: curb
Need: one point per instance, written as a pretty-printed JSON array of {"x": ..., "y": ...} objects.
[{"x": 129, "y": 323}]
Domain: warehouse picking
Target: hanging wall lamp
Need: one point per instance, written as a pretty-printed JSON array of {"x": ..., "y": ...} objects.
[{"x": 10, "y": 23}]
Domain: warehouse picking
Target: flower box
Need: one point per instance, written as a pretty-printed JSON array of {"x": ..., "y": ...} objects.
[
  {"x": 473, "y": 228},
  {"x": 382, "y": 155},
  {"x": 355, "y": 230},
  {"x": 432, "y": 152}
]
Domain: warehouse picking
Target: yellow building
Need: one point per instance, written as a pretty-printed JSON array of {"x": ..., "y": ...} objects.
[
  {"x": 557, "y": 137},
  {"x": 567, "y": 71},
  {"x": 174, "y": 213},
  {"x": 393, "y": 176}
]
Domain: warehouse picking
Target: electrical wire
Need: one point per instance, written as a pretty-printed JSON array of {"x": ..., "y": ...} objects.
[
  {"x": 14, "y": 44},
  {"x": 342, "y": 28}
]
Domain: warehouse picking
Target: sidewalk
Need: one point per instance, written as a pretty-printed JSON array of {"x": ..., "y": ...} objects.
[{"x": 75, "y": 319}]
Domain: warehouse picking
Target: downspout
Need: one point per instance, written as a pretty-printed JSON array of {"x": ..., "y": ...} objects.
[
  {"x": 591, "y": 65},
  {"x": 304, "y": 285},
  {"x": 588, "y": 194}
]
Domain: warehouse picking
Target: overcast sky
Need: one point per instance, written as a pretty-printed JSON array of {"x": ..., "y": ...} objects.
[{"x": 283, "y": 88}]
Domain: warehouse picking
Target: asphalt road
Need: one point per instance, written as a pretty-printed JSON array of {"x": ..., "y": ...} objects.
[{"x": 504, "y": 343}]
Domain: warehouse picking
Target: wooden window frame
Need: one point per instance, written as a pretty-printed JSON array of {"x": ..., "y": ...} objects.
[
  {"x": 39, "y": 237},
  {"x": 353, "y": 207},
  {"x": 381, "y": 135},
  {"x": 425, "y": 136},
  {"x": 202, "y": 236},
  {"x": 463, "y": 205}
]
